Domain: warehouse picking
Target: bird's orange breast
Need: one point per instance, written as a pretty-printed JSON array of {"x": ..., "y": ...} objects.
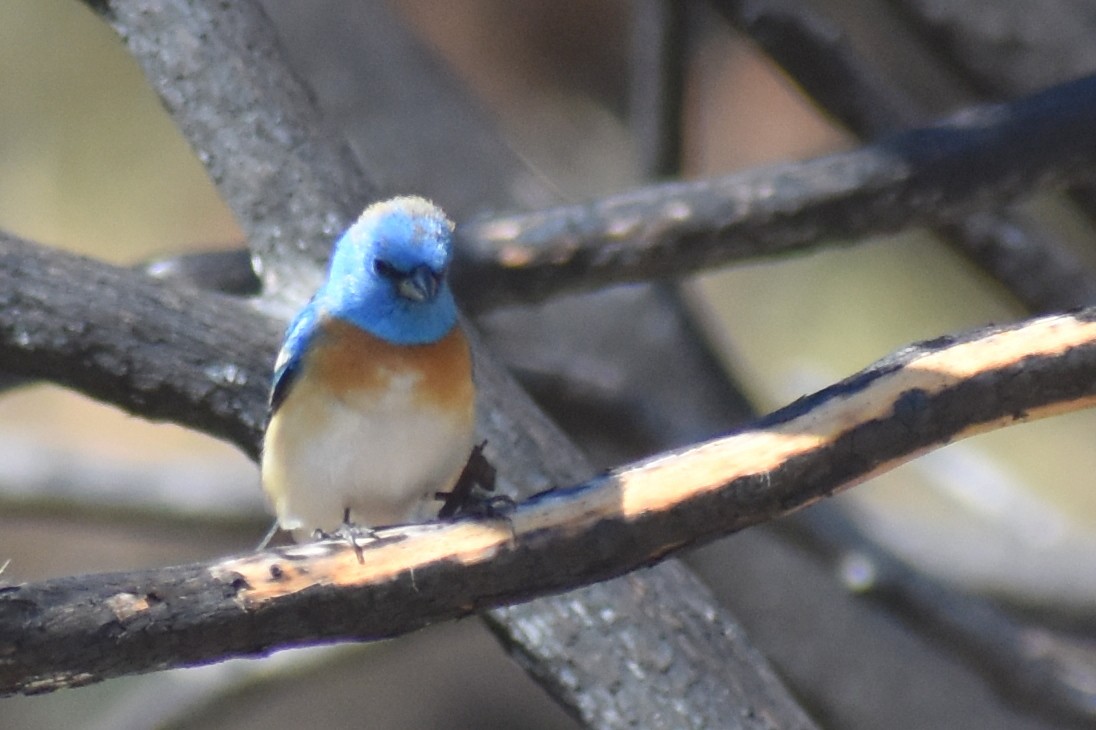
[{"x": 348, "y": 361}]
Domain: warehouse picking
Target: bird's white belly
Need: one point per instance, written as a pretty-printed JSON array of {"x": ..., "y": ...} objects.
[{"x": 383, "y": 459}]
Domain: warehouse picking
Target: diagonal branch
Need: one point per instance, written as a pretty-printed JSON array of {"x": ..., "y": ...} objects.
[
  {"x": 1030, "y": 664},
  {"x": 982, "y": 156},
  {"x": 221, "y": 69},
  {"x": 83, "y": 629},
  {"x": 1011, "y": 246},
  {"x": 1004, "y": 50}
]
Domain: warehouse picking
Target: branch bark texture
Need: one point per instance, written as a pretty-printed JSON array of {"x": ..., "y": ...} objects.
[
  {"x": 216, "y": 65},
  {"x": 196, "y": 358}
]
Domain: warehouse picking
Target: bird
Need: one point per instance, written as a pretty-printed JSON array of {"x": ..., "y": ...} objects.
[{"x": 372, "y": 406}]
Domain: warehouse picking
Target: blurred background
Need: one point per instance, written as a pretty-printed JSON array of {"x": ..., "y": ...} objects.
[{"x": 90, "y": 162}]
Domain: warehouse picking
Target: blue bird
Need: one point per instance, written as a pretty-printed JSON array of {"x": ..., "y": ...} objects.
[{"x": 372, "y": 405}]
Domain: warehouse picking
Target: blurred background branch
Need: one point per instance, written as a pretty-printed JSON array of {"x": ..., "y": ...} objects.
[
  {"x": 814, "y": 50},
  {"x": 927, "y": 175}
]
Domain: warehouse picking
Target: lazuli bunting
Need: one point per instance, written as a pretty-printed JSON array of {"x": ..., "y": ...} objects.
[{"x": 372, "y": 402}]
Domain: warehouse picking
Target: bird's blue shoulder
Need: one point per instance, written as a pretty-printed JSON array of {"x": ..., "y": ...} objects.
[{"x": 298, "y": 338}]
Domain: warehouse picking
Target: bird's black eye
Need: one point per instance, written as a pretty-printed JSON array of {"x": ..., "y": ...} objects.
[{"x": 385, "y": 269}]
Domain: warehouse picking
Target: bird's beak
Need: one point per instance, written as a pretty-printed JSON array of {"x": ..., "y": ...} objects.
[{"x": 420, "y": 285}]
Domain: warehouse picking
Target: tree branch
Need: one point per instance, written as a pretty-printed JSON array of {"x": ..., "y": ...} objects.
[
  {"x": 1012, "y": 247},
  {"x": 1030, "y": 664},
  {"x": 184, "y": 49},
  {"x": 199, "y": 359},
  {"x": 1003, "y": 50},
  {"x": 987, "y": 155},
  {"x": 180, "y": 365},
  {"x": 78, "y": 630}
]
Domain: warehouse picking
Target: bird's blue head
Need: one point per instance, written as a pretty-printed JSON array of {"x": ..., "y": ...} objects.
[{"x": 387, "y": 273}]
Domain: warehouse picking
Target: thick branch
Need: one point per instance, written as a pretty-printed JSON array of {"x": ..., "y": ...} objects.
[
  {"x": 199, "y": 359},
  {"x": 211, "y": 65},
  {"x": 1003, "y": 49},
  {"x": 137, "y": 346},
  {"x": 983, "y": 156},
  {"x": 79, "y": 630}
]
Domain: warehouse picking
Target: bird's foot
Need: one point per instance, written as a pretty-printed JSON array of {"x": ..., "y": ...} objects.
[{"x": 351, "y": 533}]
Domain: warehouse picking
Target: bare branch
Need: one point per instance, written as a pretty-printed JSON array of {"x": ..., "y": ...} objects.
[
  {"x": 78, "y": 630},
  {"x": 1022, "y": 51},
  {"x": 1012, "y": 247},
  {"x": 658, "y": 84},
  {"x": 199, "y": 359},
  {"x": 1032, "y": 666},
  {"x": 924, "y": 176},
  {"x": 136, "y": 342},
  {"x": 184, "y": 48}
]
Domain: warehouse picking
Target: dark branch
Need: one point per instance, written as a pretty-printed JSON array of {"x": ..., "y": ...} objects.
[
  {"x": 185, "y": 49},
  {"x": 1004, "y": 50},
  {"x": 78, "y": 630},
  {"x": 1045, "y": 675},
  {"x": 815, "y": 52},
  {"x": 933, "y": 175},
  {"x": 196, "y": 358},
  {"x": 203, "y": 360},
  {"x": 1013, "y": 248},
  {"x": 658, "y": 84}
]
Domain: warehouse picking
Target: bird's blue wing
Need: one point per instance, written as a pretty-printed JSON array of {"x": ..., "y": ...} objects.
[{"x": 297, "y": 339}]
